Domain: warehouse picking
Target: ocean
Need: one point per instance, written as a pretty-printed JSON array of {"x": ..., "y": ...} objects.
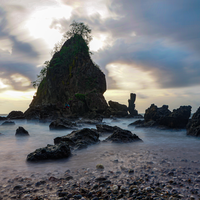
[{"x": 164, "y": 144}]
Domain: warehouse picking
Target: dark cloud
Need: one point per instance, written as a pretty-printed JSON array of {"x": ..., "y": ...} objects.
[{"x": 22, "y": 59}]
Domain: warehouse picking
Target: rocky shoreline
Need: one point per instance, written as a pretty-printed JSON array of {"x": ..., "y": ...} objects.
[{"x": 141, "y": 174}]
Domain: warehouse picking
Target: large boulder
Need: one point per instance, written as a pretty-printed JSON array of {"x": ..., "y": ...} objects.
[
  {"x": 131, "y": 105},
  {"x": 72, "y": 78},
  {"x": 178, "y": 118},
  {"x": 50, "y": 152},
  {"x": 193, "y": 126},
  {"x": 117, "y": 109},
  {"x": 79, "y": 139},
  {"x": 122, "y": 136},
  {"x": 163, "y": 117},
  {"x": 16, "y": 115},
  {"x": 42, "y": 112},
  {"x": 61, "y": 124},
  {"x": 21, "y": 132},
  {"x": 156, "y": 114},
  {"x": 103, "y": 128},
  {"x": 8, "y": 123}
]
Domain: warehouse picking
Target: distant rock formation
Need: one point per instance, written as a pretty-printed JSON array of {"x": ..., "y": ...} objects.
[
  {"x": 117, "y": 109},
  {"x": 162, "y": 116},
  {"x": 72, "y": 78},
  {"x": 193, "y": 126},
  {"x": 131, "y": 105},
  {"x": 15, "y": 115}
]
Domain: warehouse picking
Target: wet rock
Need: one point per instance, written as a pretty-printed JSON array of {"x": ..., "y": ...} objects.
[
  {"x": 61, "y": 124},
  {"x": 21, "y": 132},
  {"x": 79, "y": 139},
  {"x": 162, "y": 117},
  {"x": 16, "y": 115},
  {"x": 106, "y": 128},
  {"x": 8, "y": 123},
  {"x": 117, "y": 109},
  {"x": 193, "y": 126},
  {"x": 122, "y": 136},
  {"x": 59, "y": 151}
]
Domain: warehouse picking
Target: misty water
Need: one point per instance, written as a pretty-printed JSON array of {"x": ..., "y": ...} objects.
[{"x": 163, "y": 144}]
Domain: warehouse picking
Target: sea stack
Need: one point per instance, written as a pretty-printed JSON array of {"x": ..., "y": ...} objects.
[
  {"x": 131, "y": 105},
  {"x": 72, "y": 78}
]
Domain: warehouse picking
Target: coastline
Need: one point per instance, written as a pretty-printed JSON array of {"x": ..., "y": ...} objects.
[{"x": 144, "y": 174}]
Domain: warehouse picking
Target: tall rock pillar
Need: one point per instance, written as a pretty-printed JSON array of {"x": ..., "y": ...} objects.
[{"x": 131, "y": 105}]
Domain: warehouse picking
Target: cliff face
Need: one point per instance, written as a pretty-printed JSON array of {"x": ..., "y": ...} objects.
[{"x": 72, "y": 78}]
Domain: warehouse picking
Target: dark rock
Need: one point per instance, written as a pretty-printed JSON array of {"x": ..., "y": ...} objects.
[
  {"x": 8, "y": 123},
  {"x": 42, "y": 112},
  {"x": 71, "y": 78},
  {"x": 162, "y": 117},
  {"x": 90, "y": 121},
  {"x": 178, "y": 118},
  {"x": 117, "y": 109},
  {"x": 156, "y": 114},
  {"x": 16, "y": 115},
  {"x": 122, "y": 136},
  {"x": 193, "y": 126},
  {"x": 3, "y": 118},
  {"x": 79, "y": 139},
  {"x": 61, "y": 124},
  {"x": 59, "y": 151},
  {"x": 131, "y": 105},
  {"x": 106, "y": 128},
  {"x": 21, "y": 132}
]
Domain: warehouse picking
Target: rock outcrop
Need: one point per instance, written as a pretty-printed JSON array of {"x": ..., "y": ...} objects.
[
  {"x": 50, "y": 152},
  {"x": 163, "y": 117},
  {"x": 21, "y": 132},
  {"x": 79, "y": 139},
  {"x": 117, "y": 109},
  {"x": 8, "y": 123},
  {"x": 131, "y": 105},
  {"x": 16, "y": 115},
  {"x": 122, "y": 136},
  {"x": 103, "y": 128},
  {"x": 71, "y": 78},
  {"x": 193, "y": 126},
  {"x": 61, "y": 124}
]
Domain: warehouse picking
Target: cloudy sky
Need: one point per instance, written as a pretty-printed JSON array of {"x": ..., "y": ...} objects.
[{"x": 151, "y": 48}]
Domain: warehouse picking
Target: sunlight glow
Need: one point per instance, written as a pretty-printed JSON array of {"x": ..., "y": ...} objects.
[
  {"x": 129, "y": 77},
  {"x": 17, "y": 95},
  {"x": 97, "y": 43},
  {"x": 2, "y": 85},
  {"x": 39, "y": 24},
  {"x": 18, "y": 78}
]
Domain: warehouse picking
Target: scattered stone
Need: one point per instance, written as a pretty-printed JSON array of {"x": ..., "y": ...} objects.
[
  {"x": 61, "y": 124},
  {"x": 99, "y": 166},
  {"x": 8, "y": 123},
  {"x": 21, "y": 132},
  {"x": 59, "y": 151},
  {"x": 79, "y": 139},
  {"x": 122, "y": 136}
]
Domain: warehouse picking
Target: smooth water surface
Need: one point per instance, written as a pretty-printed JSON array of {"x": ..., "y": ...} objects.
[{"x": 14, "y": 150}]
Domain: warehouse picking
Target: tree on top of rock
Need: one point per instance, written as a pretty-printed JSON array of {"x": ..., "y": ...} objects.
[{"x": 79, "y": 29}]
